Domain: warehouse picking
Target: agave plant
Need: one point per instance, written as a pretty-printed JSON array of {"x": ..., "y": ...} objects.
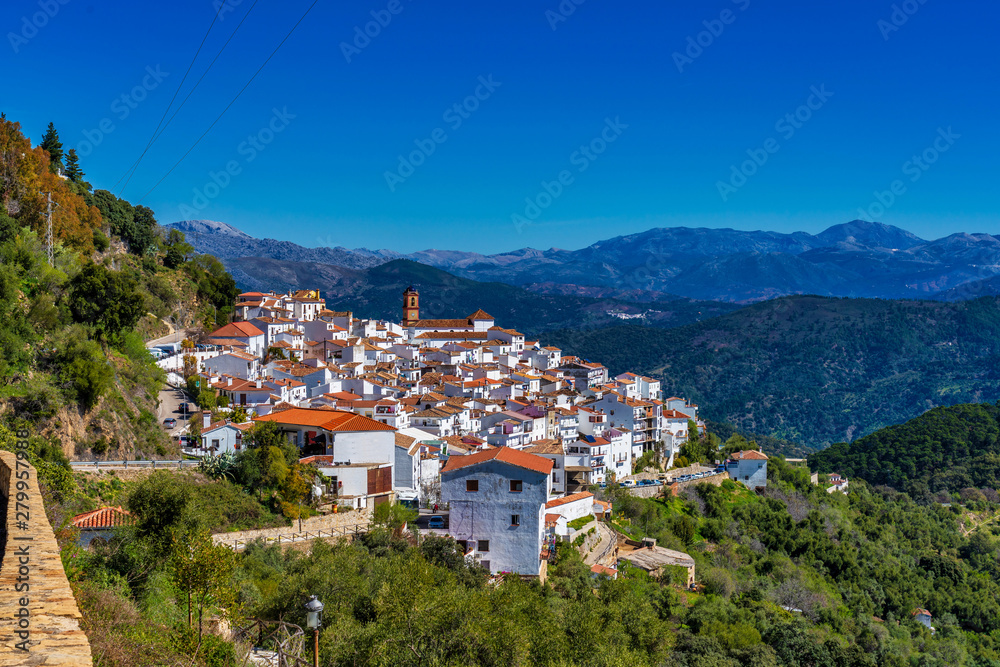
[{"x": 219, "y": 466}]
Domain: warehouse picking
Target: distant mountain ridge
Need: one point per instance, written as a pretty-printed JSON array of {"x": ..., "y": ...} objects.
[
  {"x": 814, "y": 370},
  {"x": 377, "y": 292},
  {"x": 854, "y": 259}
]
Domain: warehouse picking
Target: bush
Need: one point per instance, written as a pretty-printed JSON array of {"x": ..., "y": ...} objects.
[
  {"x": 101, "y": 242},
  {"x": 577, "y": 524}
]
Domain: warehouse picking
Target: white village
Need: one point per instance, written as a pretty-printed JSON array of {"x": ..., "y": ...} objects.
[{"x": 506, "y": 433}]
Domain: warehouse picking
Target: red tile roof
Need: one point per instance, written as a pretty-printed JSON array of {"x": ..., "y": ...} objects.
[
  {"x": 568, "y": 499},
  {"x": 105, "y": 517},
  {"x": 504, "y": 454},
  {"x": 749, "y": 455},
  {"x": 236, "y": 330},
  {"x": 328, "y": 420}
]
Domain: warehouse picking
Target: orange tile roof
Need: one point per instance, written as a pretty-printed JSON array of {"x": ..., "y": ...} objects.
[
  {"x": 748, "y": 455},
  {"x": 568, "y": 499},
  {"x": 504, "y": 454},
  {"x": 236, "y": 330},
  {"x": 328, "y": 420},
  {"x": 105, "y": 517}
]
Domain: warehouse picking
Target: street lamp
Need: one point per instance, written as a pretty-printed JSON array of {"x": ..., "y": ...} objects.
[{"x": 314, "y": 612}]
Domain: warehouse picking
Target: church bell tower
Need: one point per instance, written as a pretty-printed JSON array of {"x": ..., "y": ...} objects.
[{"x": 411, "y": 306}]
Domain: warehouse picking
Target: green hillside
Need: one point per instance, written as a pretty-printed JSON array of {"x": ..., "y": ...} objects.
[
  {"x": 815, "y": 370},
  {"x": 74, "y": 370},
  {"x": 949, "y": 449},
  {"x": 790, "y": 577}
]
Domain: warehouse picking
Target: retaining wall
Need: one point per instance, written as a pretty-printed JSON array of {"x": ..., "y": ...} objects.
[{"x": 39, "y": 619}]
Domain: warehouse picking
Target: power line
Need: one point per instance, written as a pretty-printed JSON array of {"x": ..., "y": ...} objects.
[
  {"x": 167, "y": 110},
  {"x": 280, "y": 44},
  {"x": 135, "y": 165}
]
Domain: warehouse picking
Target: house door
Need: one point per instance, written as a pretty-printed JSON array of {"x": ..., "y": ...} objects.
[{"x": 243, "y": 399}]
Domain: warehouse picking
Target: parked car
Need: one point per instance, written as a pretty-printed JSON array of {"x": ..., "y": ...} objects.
[
  {"x": 436, "y": 521},
  {"x": 628, "y": 482},
  {"x": 170, "y": 422}
]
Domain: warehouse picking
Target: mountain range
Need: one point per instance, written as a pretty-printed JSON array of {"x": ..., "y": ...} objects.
[
  {"x": 854, "y": 259},
  {"x": 814, "y": 370}
]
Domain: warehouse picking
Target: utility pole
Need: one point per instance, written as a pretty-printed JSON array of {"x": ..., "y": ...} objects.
[{"x": 48, "y": 236}]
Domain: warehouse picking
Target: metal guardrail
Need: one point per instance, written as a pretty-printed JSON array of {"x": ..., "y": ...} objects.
[{"x": 134, "y": 464}]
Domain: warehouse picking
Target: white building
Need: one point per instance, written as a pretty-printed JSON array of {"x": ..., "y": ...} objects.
[
  {"x": 358, "y": 453},
  {"x": 497, "y": 499}
]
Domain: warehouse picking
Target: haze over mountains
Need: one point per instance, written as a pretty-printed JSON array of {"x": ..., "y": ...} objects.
[{"x": 855, "y": 259}]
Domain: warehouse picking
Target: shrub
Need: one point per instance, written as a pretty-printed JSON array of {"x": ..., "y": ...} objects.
[{"x": 577, "y": 524}]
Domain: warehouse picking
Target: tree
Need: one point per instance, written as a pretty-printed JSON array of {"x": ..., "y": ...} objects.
[
  {"x": 160, "y": 503},
  {"x": 393, "y": 517},
  {"x": 52, "y": 145},
  {"x": 178, "y": 249},
  {"x": 73, "y": 171},
  {"x": 108, "y": 300},
  {"x": 203, "y": 570}
]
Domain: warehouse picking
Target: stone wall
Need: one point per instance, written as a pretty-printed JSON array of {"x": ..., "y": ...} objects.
[
  {"x": 37, "y": 609},
  {"x": 312, "y": 524},
  {"x": 714, "y": 480}
]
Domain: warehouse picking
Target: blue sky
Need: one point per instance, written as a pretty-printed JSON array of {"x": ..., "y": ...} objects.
[{"x": 555, "y": 83}]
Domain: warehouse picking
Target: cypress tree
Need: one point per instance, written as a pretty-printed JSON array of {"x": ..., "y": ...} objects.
[
  {"x": 51, "y": 143},
  {"x": 73, "y": 171}
]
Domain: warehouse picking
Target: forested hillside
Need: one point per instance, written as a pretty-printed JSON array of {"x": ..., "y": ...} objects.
[
  {"x": 944, "y": 449},
  {"x": 791, "y": 577},
  {"x": 376, "y": 292},
  {"x": 74, "y": 370},
  {"x": 812, "y": 369}
]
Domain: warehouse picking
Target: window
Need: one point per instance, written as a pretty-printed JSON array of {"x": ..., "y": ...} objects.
[
  {"x": 483, "y": 545},
  {"x": 215, "y": 444},
  {"x": 515, "y": 486},
  {"x": 472, "y": 485},
  {"x": 515, "y": 519}
]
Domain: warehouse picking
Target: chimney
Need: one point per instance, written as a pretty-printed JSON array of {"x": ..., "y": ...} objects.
[
  {"x": 259, "y": 384},
  {"x": 230, "y": 381},
  {"x": 206, "y": 419}
]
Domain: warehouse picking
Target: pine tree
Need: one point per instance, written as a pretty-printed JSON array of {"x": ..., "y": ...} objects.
[
  {"x": 51, "y": 143},
  {"x": 73, "y": 171}
]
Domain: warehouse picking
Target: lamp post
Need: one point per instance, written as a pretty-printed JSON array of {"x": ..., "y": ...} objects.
[{"x": 314, "y": 611}]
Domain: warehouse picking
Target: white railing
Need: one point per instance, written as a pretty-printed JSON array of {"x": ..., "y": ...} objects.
[
  {"x": 133, "y": 464},
  {"x": 238, "y": 544}
]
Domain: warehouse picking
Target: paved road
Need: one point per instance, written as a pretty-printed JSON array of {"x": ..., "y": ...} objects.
[
  {"x": 172, "y": 337},
  {"x": 602, "y": 547},
  {"x": 170, "y": 400},
  {"x": 425, "y": 516}
]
